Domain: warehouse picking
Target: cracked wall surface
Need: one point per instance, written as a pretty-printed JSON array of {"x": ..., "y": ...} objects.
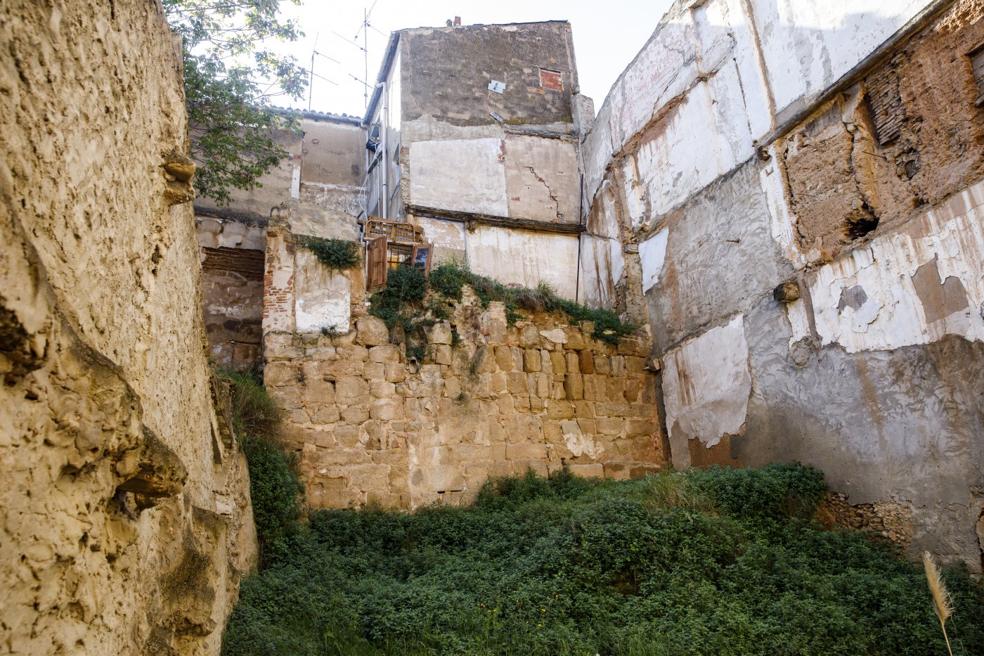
[
  {"x": 808, "y": 248},
  {"x": 119, "y": 474}
]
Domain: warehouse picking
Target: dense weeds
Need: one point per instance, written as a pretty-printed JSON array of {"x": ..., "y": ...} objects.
[{"x": 712, "y": 561}]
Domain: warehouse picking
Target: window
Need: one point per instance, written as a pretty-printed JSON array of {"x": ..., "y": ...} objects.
[
  {"x": 885, "y": 105},
  {"x": 551, "y": 80},
  {"x": 977, "y": 59}
]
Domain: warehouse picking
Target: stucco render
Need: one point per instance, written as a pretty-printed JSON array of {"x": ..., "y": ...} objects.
[
  {"x": 812, "y": 281},
  {"x": 125, "y": 521}
]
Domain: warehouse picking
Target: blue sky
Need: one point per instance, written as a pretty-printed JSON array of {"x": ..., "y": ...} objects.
[{"x": 607, "y": 35}]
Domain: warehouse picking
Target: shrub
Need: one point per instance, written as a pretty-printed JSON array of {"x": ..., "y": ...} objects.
[
  {"x": 715, "y": 562},
  {"x": 333, "y": 253},
  {"x": 448, "y": 280},
  {"x": 275, "y": 488}
]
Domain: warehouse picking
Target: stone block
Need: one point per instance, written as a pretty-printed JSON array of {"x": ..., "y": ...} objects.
[
  {"x": 347, "y": 437},
  {"x": 382, "y": 389},
  {"x": 371, "y": 331},
  {"x": 529, "y": 336},
  {"x": 384, "y": 353},
  {"x": 610, "y": 425},
  {"x": 633, "y": 346},
  {"x": 441, "y": 354},
  {"x": 574, "y": 387},
  {"x": 531, "y": 360},
  {"x": 355, "y": 353},
  {"x": 602, "y": 364},
  {"x": 618, "y": 365},
  {"x": 386, "y": 409},
  {"x": 395, "y": 372},
  {"x": 554, "y": 336},
  {"x": 635, "y": 365},
  {"x": 575, "y": 339},
  {"x": 280, "y": 373},
  {"x": 326, "y": 414},
  {"x": 585, "y": 362},
  {"x": 498, "y": 382},
  {"x": 440, "y": 333},
  {"x": 584, "y": 409},
  {"x": 573, "y": 362},
  {"x": 351, "y": 390},
  {"x": 504, "y": 359},
  {"x": 517, "y": 384},
  {"x": 560, "y": 409},
  {"x": 452, "y": 387},
  {"x": 374, "y": 371},
  {"x": 526, "y": 451},
  {"x": 355, "y": 414},
  {"x": 558, "y": 362},
  {"x": 587, "y": 470},
  {"x": 546, "y": 363}
]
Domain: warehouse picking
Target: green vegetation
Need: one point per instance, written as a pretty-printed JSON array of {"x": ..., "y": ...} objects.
[
  {"x": 274, "y": 486},
  {"x": 232, "y": 68},
  {"x": 399, "y": 302},
  {"x": 705, "y": 562},
  {"x": 335, "y": 254}
]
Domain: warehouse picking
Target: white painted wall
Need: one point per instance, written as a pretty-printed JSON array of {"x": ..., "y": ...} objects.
[
  {"x": 322, "y": 297},
  {"x": 465, "y": 175},
  {"x": 524, "y": 257},
  {"x": 894, "y": 315}
]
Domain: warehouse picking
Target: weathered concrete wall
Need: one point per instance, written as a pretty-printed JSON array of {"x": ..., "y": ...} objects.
[
  {"x": 320, "y": 180},
  {"x": 505, "y": 157},
  {"x": 868, "y": 208},
  {"x": 370, "y": 425},
  {"x": 125, "y": 522}
]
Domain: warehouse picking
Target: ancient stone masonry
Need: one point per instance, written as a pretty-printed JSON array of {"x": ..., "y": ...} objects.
[
  {"x": 125, "y": 520},
  {"x": 488, "y": 399},
  {"x": 795, "y": 191}
]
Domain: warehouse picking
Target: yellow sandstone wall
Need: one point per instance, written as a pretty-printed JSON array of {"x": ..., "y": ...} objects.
[
  {"x": 488, "y": 399},
  {"x": 125, "y": 522}
]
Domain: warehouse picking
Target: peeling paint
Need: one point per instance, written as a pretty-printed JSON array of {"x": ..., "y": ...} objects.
[{"x": 706, "y": 385}]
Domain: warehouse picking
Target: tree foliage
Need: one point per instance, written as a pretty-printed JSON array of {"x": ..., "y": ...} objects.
[{"x": 231, "y": 72}]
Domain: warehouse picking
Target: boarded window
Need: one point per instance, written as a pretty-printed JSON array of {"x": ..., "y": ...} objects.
[
  {"x": 376, "y": 263},
  {"x": 551, "y": 80},
  {"x": 977, "y": 59},
  {"x": 246, "y": 262},
  {"x": 885, "y": 104}
]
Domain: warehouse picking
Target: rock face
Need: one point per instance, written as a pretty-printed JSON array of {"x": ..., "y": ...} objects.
[{"x": 125, "y": 522}]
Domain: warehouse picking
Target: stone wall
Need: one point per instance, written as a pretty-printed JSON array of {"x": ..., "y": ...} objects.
[
  {"x": 125, "y": 520},
  {"x": 806, "y": 243},
  {"x": 488, "y": 399},
  {"x": 370, "y": 423}
]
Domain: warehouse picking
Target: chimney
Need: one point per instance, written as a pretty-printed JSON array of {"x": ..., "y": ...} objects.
[{"x": 457, "y": 21}]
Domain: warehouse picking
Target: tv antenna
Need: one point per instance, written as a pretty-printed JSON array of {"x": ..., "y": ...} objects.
[
  {"x": 363, "y": 33},
  {"x": 311, "y": 74}
]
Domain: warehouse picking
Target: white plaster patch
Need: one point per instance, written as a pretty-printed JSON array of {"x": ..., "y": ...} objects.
[
  {"x": 703, "y": 138},
  {"x": 465, "y": 175},
  {"x": 555, "y": 335},
  {"x": 322, "y": 297},
  {"x": 808, "y": 45},
  {"x": 524, "y": 257},
  {"x": 577, "y": 442},
  {"x": 706, "y": 385},
  {"x": 868, "y": 300},
  {"x": 652, "y": 255},
  {"x": 602, "y": 265}
]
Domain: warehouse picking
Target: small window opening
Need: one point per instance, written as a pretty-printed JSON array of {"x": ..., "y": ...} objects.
[
  {"x": 977, "y": 60},
  {"x": 551, "y": 80},
  {"x": 885, "y": 105}
]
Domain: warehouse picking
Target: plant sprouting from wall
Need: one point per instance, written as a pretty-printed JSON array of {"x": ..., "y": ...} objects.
[
  {"x": 336, "y": 254},
  {"x": 230, "y": 75}
]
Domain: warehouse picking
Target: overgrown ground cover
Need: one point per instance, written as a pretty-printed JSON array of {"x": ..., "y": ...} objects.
[{"x": 702, "y": 562}]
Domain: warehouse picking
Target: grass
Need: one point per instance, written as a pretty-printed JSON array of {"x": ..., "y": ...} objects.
[
  {"x": 401, "y": 302},
  {"x": 723, "y": 562}
]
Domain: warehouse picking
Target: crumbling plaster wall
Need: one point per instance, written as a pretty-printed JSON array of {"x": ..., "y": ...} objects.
[
  {"x": 125, "y": 521},
  {"x": 720, "y": 177}
]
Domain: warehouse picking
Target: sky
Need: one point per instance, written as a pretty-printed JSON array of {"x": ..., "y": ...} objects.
[{"x": 607, "y": 35}]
